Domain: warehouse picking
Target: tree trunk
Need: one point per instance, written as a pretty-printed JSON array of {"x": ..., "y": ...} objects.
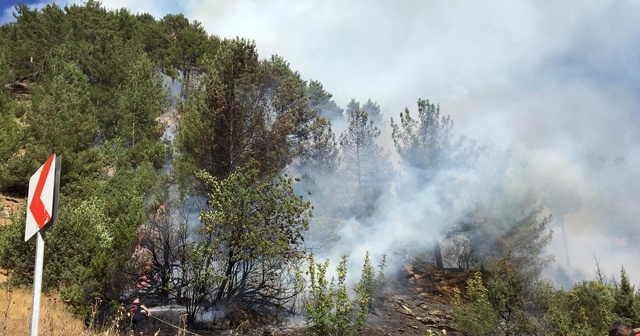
[{"x": 438, "y": 253}]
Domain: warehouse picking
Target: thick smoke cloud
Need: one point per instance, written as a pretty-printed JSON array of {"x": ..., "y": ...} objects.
[{"x": 556, "y": 82}]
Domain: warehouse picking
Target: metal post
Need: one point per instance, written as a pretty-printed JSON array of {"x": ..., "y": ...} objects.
[{"x": 37, "y": 284}]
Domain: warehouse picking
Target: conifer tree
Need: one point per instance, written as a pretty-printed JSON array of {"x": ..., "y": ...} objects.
[{"x": 365, "y": 163}]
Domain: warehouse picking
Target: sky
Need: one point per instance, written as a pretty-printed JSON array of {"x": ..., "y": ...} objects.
[{"x": 558, "y": 82}]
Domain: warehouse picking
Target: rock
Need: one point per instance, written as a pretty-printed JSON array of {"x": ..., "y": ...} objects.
[
  {"x": 438, "y": 313},
  {"x": 404, "y": 309}
]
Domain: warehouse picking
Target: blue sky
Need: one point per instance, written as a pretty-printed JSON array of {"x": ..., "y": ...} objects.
[{"x": 556, "y": 81}]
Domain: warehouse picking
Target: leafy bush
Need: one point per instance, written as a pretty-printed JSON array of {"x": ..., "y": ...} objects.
[
  {"x": 329, "y": 310},
  {"x": 475, "y": 315}
]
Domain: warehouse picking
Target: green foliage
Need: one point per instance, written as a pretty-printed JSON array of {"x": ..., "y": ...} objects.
[
  {"x": 90, "y": 82},
  {"x": 319, "y": 153},
  {"x": 511, "y": 295},
  {"x": 15, "y": 168},
  {"x": 473, "y": 312},
  {"x": 89, "y": 244},
  {"x": 93, "y": 95},
  {"x": 624, "y": 295},
  {"x": 186, "y": 44},
  {"x": 15, "y": 173},
  {"x": 78, "y": 245},
  {"x": 62, "y": 120},
  {"x": 252, "y": 241},
  {"x": 527, "y": 308},
  {"x": 328, "y": 309},
  {"x": 6, "y": 71},
  {"x": 243, "y": 109},
  {"x": 425, "y": 142},
  {"x": 124, "y": 203},
  {"x": 371, "y": 285},
  {"x": 590, "y": 305},
  {"x": 568, "y": 313},
  {"x": 520, "y": 235},
  {"x": 365, "y": 163},
  {"x": 16, "y": 256},
  {"x": 508, "y": 303},
  {"x": 222, "y": 118},
  {"x": 320, "y": 100},
  {"x": 555, "y": 319},
  {"x": 525, "y": 241}
]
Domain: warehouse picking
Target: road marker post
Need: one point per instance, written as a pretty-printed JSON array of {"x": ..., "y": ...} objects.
[{"x": 42, "y": 210}]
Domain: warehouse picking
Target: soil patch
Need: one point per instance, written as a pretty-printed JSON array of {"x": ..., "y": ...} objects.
[{"x": 9, "y": 208}]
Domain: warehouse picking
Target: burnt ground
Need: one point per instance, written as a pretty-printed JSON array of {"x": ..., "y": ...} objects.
[{"x": 416, "y": 301}]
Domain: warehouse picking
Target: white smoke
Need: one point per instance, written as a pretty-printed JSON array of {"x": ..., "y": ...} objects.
[{"x": 556, "y": 82}]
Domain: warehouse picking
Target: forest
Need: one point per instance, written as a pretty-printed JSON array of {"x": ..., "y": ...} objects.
[{"x": 197, "y": 173}]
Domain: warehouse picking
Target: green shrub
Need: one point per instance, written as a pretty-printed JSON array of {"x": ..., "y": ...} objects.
[
  {"x": 328, "y": 310},
  {"x": 475, "y": 316}
]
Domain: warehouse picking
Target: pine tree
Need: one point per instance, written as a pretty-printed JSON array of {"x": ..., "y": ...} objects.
[
  {"x": 366, "y": 164},
  {"x": 425, "y": 145},
  {"x": 624, "y": 296}
]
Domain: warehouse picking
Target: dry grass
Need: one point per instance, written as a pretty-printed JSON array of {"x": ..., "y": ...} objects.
[
  {"x": 15, "y": 318},
  {"x": 15, "y": 315}
]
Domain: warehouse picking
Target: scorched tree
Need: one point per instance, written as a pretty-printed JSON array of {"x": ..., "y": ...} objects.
[{"x": 251, "y": 244}]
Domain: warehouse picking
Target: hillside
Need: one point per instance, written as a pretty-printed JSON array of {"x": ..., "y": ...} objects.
[
  {"x": 419, "y": 300},
  {"x": 199, "y": 173}
]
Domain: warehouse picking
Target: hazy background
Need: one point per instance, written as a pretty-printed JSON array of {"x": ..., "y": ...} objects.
[{"x": 556, "y": 81}]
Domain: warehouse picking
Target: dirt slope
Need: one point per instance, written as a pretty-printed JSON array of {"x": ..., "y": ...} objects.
[
  {"x": 418, "y": 300},
  {"x": 9, "y": 207}
]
